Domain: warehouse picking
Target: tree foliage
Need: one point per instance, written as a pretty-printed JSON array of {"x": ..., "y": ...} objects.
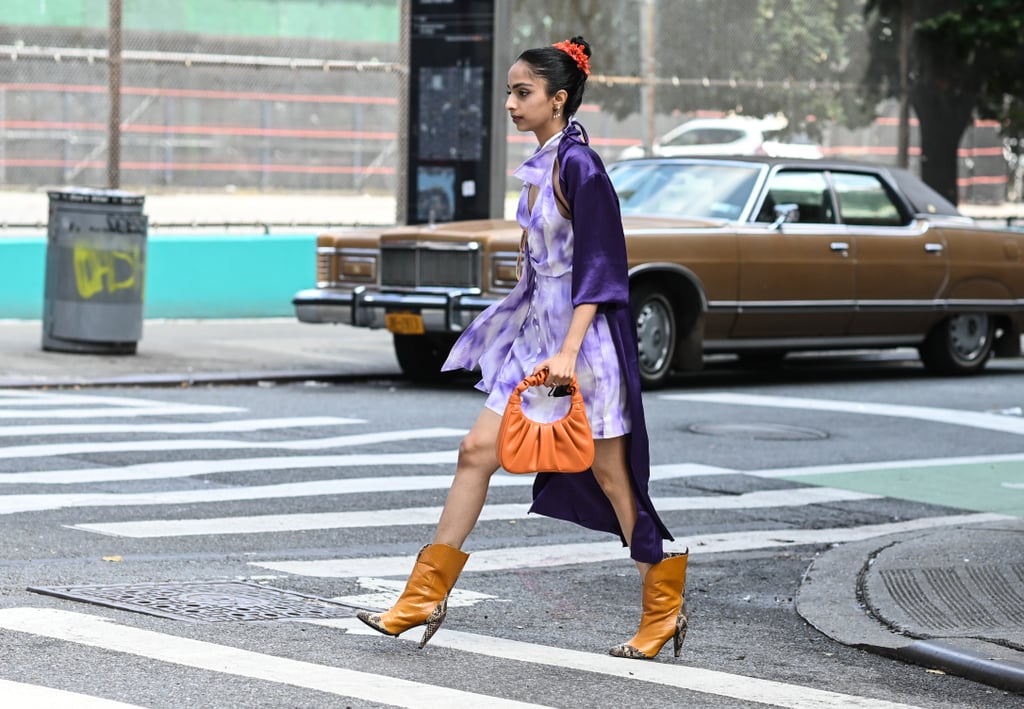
[
  {"x": 815, "y": 61},
  {"x": 801, "y": 58},
  {"x": 966, "y": 58}
]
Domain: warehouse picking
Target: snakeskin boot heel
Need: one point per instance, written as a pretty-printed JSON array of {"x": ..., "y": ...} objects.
[{"x": 664, "y": 611}]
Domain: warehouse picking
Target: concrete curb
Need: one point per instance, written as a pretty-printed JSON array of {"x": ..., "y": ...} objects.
[
  {"x": 187, "y": 379},
  {"x": 830, "y": 599}
]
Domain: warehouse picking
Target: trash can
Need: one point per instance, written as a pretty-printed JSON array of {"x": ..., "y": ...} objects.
[{"x": 95, "y": 271}]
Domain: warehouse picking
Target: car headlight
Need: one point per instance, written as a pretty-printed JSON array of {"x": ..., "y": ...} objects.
[
  {"x": 359, "y": 265},
  {"x": 503, "y": 271}
]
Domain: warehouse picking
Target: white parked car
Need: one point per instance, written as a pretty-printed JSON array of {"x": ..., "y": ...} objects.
[{"x": 734, "y": 135}]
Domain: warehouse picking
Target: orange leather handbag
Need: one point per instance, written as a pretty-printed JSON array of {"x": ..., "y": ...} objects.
[{"x": 563, "y": 446}]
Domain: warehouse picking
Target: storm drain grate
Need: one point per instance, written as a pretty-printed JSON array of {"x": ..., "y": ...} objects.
[
  {"x": 205, "y": 601},
  {"x": 962, "y": 601}
]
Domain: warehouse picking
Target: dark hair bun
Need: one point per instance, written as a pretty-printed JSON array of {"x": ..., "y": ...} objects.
[{"x": 583, "y": 43}]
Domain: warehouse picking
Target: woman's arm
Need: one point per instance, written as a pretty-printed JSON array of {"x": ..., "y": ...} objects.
[{"x": 562, "y": 366}]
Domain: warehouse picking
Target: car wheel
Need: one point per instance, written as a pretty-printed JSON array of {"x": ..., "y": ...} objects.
[
  {"x": 960, "y": 344},
  {"x": 421, "y": 356},
  {"x": 656, "y": 335}
]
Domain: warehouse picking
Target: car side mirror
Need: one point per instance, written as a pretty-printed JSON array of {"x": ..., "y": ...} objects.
[{"x": 787, "y": 212}]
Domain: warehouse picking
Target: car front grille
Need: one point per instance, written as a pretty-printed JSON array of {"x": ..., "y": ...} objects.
[{"x": 430, "y": 265}]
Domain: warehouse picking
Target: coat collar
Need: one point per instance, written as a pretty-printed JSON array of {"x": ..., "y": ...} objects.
[{"x": 538, "y": 166}]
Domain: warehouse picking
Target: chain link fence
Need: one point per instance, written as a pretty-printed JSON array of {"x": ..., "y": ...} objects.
[{"x": 303, "y": 95}]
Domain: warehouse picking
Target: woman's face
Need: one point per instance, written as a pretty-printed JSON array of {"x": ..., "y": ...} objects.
[{"x": 529, "y": 105}]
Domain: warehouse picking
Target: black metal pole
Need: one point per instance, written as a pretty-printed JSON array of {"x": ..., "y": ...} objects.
[{"x": 114, "y": 90}]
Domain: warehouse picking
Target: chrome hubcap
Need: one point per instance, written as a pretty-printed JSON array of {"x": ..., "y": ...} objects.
[
  {"x": 968, "y": 336},
  {"x": 654, "y": 333}
]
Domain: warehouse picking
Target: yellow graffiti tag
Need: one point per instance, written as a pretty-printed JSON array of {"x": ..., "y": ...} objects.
[{"x": 96, "y": 270}]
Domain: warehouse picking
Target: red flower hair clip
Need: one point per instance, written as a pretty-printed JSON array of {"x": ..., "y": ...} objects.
[{"x": 577, "y": 53}]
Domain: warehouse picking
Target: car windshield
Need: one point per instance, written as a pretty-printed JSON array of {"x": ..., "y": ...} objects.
[{"x": 702, "y": 190}]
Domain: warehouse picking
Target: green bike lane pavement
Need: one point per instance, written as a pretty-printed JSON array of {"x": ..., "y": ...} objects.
[{"x": 984, "y": 484}]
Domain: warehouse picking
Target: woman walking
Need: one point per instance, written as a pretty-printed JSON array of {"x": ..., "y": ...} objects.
[{"x": 568, "y": 315}]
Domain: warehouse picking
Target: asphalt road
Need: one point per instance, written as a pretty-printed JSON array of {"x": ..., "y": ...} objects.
[{"x": 233, "y": 486}]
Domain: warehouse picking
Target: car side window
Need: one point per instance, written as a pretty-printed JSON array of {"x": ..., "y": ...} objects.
[
  {"x": 864, "y": 201},
  {"x": 807, "y": 189}
]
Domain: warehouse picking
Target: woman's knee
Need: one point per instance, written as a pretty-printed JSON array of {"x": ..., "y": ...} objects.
[{"x": 477, "y": 450}]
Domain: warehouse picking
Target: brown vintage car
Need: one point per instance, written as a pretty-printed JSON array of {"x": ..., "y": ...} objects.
[{"x": 752, "y": 256}]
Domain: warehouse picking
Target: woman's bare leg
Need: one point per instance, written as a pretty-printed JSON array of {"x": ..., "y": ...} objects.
[
  {"x": 611, "y": 470},
  {"x": 478, "y": 460}
]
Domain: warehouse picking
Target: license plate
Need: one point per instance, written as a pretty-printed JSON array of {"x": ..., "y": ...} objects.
[{"x": 404, "y": 323}]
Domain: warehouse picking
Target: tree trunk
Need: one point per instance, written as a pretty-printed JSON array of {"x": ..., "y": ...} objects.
[{"x": 943, "y": 116}]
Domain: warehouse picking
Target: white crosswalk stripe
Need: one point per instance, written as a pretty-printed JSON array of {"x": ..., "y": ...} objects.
[
  {"x": 429, "y": 515},
  {"x": 510, "y": 558},
  {"x": 97, "y": 632},
  {"x": 19, "y": 694},
  {"x": 35, "y": 431},
  {"x": 204, "y": 444}
]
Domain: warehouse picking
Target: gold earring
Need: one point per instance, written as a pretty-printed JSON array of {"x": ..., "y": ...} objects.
[{"x": 558, "y": 111}]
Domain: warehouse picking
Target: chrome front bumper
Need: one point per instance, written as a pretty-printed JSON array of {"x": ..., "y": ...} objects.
[{"x": 447, "y": 311}]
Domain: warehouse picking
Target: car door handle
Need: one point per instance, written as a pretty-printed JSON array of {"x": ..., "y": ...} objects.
[
  {"x": 933, "y": 248},
  {"x": 839, "y": 246}
]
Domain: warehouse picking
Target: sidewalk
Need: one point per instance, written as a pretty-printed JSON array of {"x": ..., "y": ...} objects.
[
  {"x": 186, "y": 352},
  {"x": 950, "y": 598}
]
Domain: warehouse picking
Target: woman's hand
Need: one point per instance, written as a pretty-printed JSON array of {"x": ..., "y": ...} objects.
[{"x": 561, "y": 369}]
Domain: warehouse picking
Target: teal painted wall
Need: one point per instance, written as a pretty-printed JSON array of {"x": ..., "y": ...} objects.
[
  {"x": 186, "y": 276},
  {"x": 22, "y": 271}
]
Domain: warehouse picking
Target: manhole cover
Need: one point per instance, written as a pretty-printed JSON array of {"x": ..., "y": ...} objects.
[
  {"x": 205, "y": 601},
  {"x": 758, "y": 431}
]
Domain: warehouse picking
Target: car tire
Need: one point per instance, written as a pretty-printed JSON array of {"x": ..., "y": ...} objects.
[
  {"x": 421, "y": 356},
  {"x": 656, "y": 328},
  {"x": 960, "y": 344}
]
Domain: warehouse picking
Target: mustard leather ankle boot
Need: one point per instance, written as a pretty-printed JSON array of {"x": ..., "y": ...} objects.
[
  {"x": 425, "y": 598},
  {"x": 664, "y": 610}
]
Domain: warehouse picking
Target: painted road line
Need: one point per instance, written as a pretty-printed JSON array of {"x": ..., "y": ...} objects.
[
  {"x": 19, "y": 694},
  {"x": 113, "y": 412},
  {"x": 383, "y": 592},
  {"x": 188, "y": 468},
  {"x": 362, "y": 439},
  {"x": 10, "y": 504},
  {"x": 27, "y": 503},
  {"x": 685, "y": 677},
  {"x": 888, "y": 465},
  {"x": 239, "y": 426},
  {"x": 953, "y": 417},
  {"x": 27, "y": 397},
  {"x": 94, "y": 631},
  {"x": 598, "y": 552},
  {"x": 362, "y": 519}
]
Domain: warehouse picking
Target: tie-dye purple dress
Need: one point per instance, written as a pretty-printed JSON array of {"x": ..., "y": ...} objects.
[
  {"x": 511, "y": 338},
  {"x": 569, "y": 262}
]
